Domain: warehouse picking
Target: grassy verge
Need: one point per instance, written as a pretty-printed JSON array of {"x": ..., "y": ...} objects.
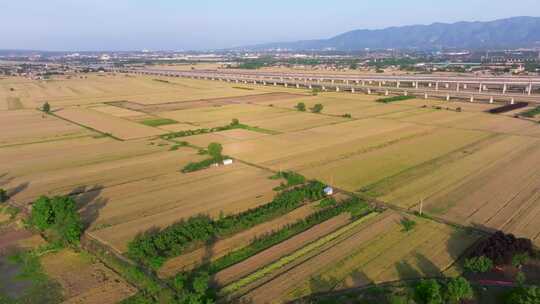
[
  {"x": 158, "y": 122},
  {"x": 294, "y": 256},
  {"x": 395, "y": 98}
]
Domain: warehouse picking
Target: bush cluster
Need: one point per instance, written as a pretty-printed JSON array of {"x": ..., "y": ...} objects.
[
  {"x": 501, "y": 248},
  {"x": 58, "y": 215},
  {"x": 154, "y": 247}
]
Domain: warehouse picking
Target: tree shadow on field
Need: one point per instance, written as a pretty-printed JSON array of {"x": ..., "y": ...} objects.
[
  {"x": 427, "y": 267},
  {"x": 406, "y": 271},
  {"x": 359, "y": 279},
  {"x": 458, "y": 252},
  {"x": 5, "y": 180},
  {"x": 89, "y": 203}
]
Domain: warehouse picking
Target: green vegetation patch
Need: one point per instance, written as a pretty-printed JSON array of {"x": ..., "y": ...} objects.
[
  {"x": 59, "y": 218},
  {"x": 24, "y": 281},
  {"x": 159, "y": 122},
  {"x": 395, "y": 98},
  {"x": 154, "y": 247},
  {"x": 531, "y": 113}
]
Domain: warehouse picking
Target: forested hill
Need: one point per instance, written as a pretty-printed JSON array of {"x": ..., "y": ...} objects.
[{"x": 499, "y": 34}]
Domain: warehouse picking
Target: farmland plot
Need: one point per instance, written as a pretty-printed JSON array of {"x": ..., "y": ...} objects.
[
  {"x": 84, "y": 280},
  {"x": 237, "y": 241},
  {"x": 29, "y": 126},
  {"x": 376, "y": 251},
  {"x": 160, "y": 201},
  {"x": 93, "y": 173},
  {"x": 123, "y": 129}
]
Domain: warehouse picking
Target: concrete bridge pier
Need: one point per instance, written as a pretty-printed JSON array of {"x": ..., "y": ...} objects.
[
  {"x": 512, "y": 101},
  {"x": 426, "y": 96},
  {"x": 480, "y": 87},
  {"x": 298, "y": 86},
  {"x": 405, "y": 93},
  {"x": 380, "y": 84},
  {"x": 491, "y": 99},
  {"x": 505, "y": 87},
  {"x": 386, "y": 93},
  {"x": 337, "y": 89},
  {"x": 447, "y": 97},
  {"x": 529, "y": 89},
  {"x": 275, "y": 83},
  {"x": 398, "y": 84},
  {"x": 285, "y": 84},
  {"x": 446, "y": 85},
  {"x": 369, "y": 91},
  {"x": 464, "y": 86},
  {"x": 310, "y": 87},
  {"x": 436, "y": 86},
  {"x": 457, "y": 87},
  {"x": 472, "y": 99},
  {"x": 352, "y": 89}
]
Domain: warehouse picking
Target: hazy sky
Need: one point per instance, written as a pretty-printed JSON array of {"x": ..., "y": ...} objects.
[{"x": 199, "y": 24}]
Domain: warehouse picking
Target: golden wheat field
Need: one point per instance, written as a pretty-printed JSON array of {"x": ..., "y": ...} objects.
[{"x": 118, "y": 144}]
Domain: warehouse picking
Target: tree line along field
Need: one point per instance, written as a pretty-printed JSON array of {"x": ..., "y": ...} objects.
[{"x": 108, "y": 144}]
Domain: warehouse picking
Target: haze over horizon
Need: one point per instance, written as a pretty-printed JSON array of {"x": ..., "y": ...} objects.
[{"x": 62, "y": 25}]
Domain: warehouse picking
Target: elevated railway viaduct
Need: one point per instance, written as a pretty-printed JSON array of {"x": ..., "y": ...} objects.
[{"x": 473, "y": 89}]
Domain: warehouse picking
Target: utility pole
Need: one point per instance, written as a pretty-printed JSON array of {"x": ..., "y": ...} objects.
[{"x": 421, "y": 206}]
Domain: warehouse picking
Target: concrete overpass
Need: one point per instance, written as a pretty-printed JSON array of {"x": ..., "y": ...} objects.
[{"x": 473, "y": 89}]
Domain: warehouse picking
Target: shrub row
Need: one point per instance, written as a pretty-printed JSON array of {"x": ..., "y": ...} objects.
[
  {"x": 154, "y": 247},
  {"x": 395, "y": 98},
  {"x": 266, "y": 241}
]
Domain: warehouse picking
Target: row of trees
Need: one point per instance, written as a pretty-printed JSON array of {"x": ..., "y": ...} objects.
[
  {"x": 453, "y": 291},
  {"x": 154, "y": 247}
]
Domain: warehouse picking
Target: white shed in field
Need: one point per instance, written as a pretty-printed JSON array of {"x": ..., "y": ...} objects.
[
  {"x": 227, "y": 162},
  {"x": 328, "y": 191}
]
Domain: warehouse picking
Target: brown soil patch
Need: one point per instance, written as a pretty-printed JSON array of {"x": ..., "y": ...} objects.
[{"x": 84, "y": 280}]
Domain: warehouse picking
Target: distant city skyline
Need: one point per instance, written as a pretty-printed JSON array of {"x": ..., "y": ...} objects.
[{"x": 99, "y": 25}]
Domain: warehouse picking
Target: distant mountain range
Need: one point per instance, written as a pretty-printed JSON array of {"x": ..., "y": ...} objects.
[{"x": 499, "y": 34}]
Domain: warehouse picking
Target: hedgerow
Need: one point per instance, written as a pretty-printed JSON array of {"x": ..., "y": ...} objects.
[{"x": 154, "y": 247}]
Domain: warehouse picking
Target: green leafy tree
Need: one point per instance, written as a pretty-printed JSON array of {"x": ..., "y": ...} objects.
[
  {"x": 458, "y": 289},
  {"x": 42, "y": 216},
  {"x": 524, "y": 295},
  {"x": 3, "y": 195},
  {"x": 478, "y": 264},
  {"x": 235, "y": 122},
  {"x": 46, "y": 107},
  {"x": 301, "y": 107},
  {"x": 215, "y": 150},
  {"x": 317, "y": 108},
  {"x": 428, "y": 292},
  {"x": 408, "y": 224},
  {"x": 520, "y": 259},
  {"x": 60, "y": 216}
]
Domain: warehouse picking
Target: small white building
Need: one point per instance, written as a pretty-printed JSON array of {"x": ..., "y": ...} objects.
[
  {"x": 328, "y": 191},
  {"x": 227, "y": 162}
]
